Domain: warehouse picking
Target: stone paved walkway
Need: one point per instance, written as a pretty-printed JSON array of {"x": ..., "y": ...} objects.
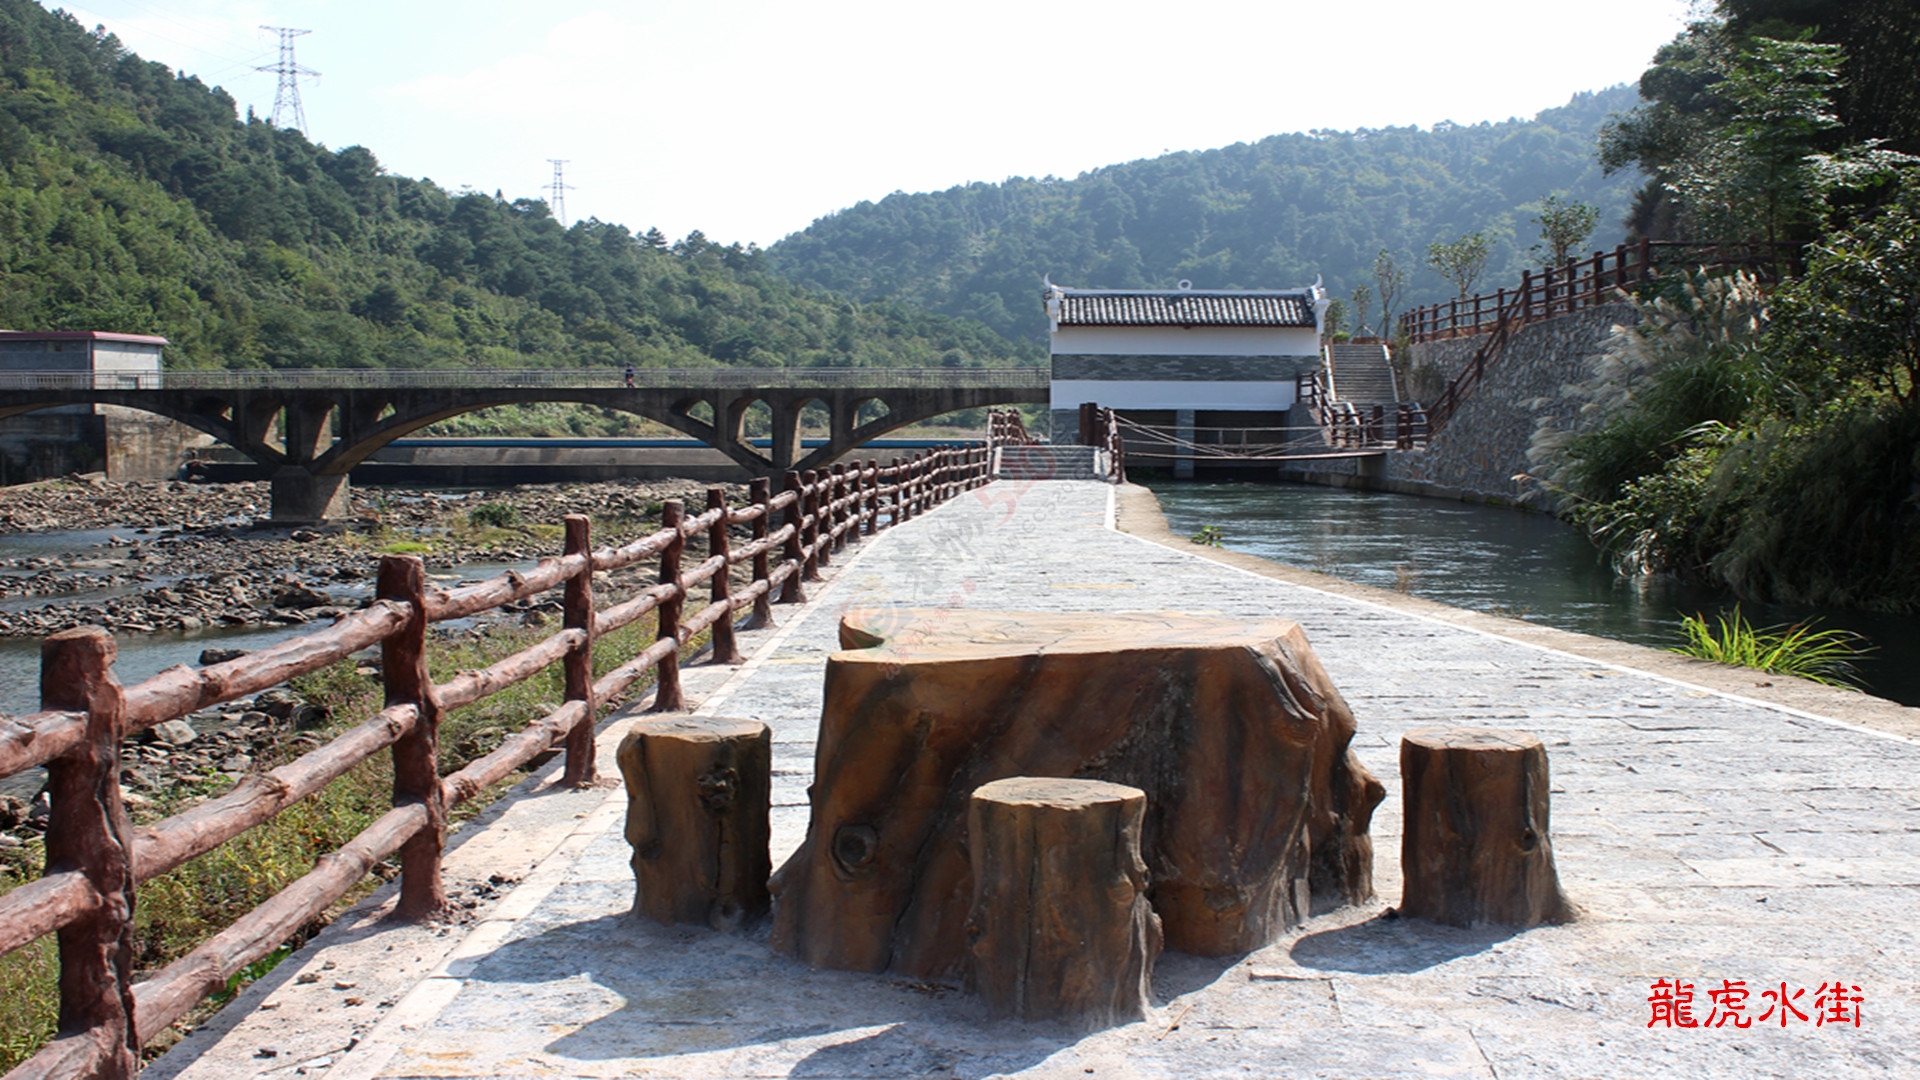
[{"x": 1704, "y": 837}]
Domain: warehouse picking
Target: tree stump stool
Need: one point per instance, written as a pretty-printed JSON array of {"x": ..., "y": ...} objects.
[
  {"x": 1060, "y": 924},
  {"x": 1476, "y": 846},
  {"x": 698, "y": 793}
]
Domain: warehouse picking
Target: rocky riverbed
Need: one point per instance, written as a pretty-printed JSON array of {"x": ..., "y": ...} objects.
[
  {"x": 193, "y": 556},
  {"x": 184, "y": 557}
]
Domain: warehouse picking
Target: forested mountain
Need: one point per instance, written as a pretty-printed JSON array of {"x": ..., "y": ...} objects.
[
  {"x": 133, "y": 199},
  {"x": 1269, "y": 214}
]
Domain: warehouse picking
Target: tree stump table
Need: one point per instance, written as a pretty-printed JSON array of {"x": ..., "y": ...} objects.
[
  {"x": 1232, "y": 728},
  {"x": 1060, "y": 925},
  {"x": 1476, "y": 847},
  {"x": 698, "y": 793}
]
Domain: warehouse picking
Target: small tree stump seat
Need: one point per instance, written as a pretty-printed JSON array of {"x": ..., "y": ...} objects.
[
  {"x": 1060, "y": 924},
  {"x": 1476, "y": 847},
  {"x": 699, "y": 790}
]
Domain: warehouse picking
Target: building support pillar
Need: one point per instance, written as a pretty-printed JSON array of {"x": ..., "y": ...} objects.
[{"x": 1183, "y": 431}]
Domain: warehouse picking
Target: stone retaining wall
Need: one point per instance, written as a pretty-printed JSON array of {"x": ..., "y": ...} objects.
[{"x": 1478, "y": 454}]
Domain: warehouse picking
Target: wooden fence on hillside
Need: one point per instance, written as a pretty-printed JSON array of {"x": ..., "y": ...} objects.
[
  {"x": 1585, "y": 283},
  {"x": 96, "y": 858},
  {"x": 1581, "y": 284}
]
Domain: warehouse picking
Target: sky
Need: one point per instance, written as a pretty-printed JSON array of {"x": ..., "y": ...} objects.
[{"x": 749, "y": 119}]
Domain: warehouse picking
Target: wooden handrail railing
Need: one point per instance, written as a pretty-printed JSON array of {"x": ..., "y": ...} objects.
[
  {"x": 1585, "y": 283},
  {"x": 96, "y": 858}
]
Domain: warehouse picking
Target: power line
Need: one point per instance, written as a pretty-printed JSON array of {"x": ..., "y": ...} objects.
[
  {"x": 557, "y": 191},
  {"x": 286, "y": 97}
]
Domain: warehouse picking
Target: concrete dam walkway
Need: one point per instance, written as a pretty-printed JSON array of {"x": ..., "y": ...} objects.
[{"x": 1707, "y": 838}]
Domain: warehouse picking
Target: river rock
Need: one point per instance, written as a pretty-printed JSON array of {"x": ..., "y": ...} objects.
[
  {"x": 220, "y": 656},
  {"x": 297, "y": 597},
  {"x": 175, "y": 733},
  {"x": 1232, "y": 729}
]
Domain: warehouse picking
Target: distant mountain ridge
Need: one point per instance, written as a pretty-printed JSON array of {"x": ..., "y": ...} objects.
[
  {"x": 133, "y": 199},
  {"x": 1274, "y": 213}
]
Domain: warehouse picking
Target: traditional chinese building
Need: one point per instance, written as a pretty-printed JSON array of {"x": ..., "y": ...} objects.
[{"x": 1185, "y": 359}]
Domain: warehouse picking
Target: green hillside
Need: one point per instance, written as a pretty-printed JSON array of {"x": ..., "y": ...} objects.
[
  {"x": 1269, "y": 214},
  {"x": 133, "y": 199}
]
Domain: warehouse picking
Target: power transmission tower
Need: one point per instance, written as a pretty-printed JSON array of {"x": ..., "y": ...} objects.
[
  {"x": 286, "y": 98},
  {"x": 557, "y": 191}
]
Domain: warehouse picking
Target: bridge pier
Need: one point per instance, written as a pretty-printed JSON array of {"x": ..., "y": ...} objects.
[{"x": 302, "y": 495}]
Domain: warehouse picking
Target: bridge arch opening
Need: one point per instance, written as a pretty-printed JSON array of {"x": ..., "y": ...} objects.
[{"x": 754, "y": 420}]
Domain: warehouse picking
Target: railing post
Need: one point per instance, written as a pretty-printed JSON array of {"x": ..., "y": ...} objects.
[
  {"x": 1620, "y": 266},
  {"x": 816, "y": 557},
  {"x": 416, "y": 756},
  {"x": 88, "y": 831},
  {"x": 899, "y": 493},
  {"x": 795, "y": 553},
  {"x": 725, "y": 651},
  {"x": 577, "y": 607},
  {"x": 666, "y": 695},
  {"x": 838, "y": 493},
  {"x": 762, "y": 616},
  {"x": 870, "y": 497}
]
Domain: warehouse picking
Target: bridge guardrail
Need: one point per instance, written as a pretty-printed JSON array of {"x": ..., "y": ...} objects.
[
  {"x": 591, "y": 378},
  {"x": 96, "y": 859}
]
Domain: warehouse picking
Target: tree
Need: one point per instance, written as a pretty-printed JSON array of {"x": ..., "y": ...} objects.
[
  {"x": 1564, "y": 226},
  {"x": 1362, "y": 301},
  {"x": 1388, "y": 280},
  {"x": 1333, "y": 325},
  {"x": 1462, "y": 261},
  {"x": 1852, "y": 323}
]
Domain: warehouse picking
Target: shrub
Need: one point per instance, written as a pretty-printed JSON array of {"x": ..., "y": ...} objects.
[{"x": 494, "y": 515}]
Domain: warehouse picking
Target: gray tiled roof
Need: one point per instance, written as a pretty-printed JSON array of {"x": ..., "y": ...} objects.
[{"x": 1184, "y": 307}]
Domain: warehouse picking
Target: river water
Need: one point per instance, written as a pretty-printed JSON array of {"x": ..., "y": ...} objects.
[{"x": 1507, "y": 562}]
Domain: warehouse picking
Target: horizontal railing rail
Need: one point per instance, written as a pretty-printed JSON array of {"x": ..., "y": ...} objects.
[
  {"x": 1585, "y": 283},
  {"x": 544, "y": 378},
  {"x": 96, "y": 859}
]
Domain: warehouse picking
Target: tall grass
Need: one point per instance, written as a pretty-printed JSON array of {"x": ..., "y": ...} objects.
[{"x": 1823, "y": 656}]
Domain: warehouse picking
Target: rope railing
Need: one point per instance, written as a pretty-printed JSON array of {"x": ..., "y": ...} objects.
[
  {"x": 1352, "y": 431},
  {"x": 542, "y": 378},
  {"x": 96, "y": 859}
]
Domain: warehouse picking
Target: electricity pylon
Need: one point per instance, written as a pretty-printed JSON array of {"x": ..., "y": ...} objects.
[
  {"x": 557, "y": 191},
  {"x": 286, "y": 98}
]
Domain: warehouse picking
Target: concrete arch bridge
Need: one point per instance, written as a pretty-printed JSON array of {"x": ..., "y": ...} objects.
[{"x": 309, "y": 427}]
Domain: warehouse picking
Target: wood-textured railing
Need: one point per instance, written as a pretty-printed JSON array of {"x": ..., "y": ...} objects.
[
  {"x": 96, "y": 858},
  {"x": 1585, "y": 283},
  {"x": 1006, "y": 428},
  {"x": 1498, "y": 315}
]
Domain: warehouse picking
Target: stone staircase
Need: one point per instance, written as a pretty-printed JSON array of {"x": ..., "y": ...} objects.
[
  {"x": 1050, "y": 461},
  {"x": 1361, "y": 374}
]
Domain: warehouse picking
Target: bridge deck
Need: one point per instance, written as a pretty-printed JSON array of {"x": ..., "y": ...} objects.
[{"x": 1706, "y": 836}]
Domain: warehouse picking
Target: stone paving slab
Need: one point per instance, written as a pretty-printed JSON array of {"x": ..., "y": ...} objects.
[{"x": 1703, "y": 835}]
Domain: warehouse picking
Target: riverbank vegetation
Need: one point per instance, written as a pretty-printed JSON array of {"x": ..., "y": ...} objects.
[
  {"x": 1766, "y": 438},
  {"x": 1822, "y": 656},
  {"x": 133, "y": 199}
]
